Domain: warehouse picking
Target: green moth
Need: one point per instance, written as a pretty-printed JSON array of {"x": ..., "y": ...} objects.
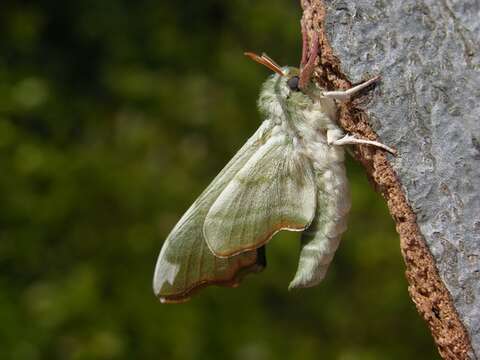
[{"x": 290, "y": 175}]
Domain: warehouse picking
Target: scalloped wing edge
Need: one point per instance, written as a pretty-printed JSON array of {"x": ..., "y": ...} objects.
[{"x": 238, "y": 275}]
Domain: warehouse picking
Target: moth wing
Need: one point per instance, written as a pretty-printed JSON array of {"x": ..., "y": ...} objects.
[
  {"x": 185, "y": 263},
  {"x": 273, "y": 191}
]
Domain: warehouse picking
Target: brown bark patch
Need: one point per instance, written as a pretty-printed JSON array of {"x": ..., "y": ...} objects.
[{"x": 428, "y": 292}]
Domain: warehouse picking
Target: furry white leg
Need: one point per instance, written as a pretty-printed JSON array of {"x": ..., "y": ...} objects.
[
  {"x": 344, "y": 95},
  {"x": 350, "y": 139}
]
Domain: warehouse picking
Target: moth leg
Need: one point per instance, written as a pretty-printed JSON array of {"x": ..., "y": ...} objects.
[
  {"x": 350, "y": 139},
  {"x": 344, "y": 95}
]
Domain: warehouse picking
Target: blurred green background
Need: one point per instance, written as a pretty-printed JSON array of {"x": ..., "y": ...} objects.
[{"x": 114, "y": 115}]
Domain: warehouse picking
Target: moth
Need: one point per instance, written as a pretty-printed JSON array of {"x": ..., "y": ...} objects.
[{"x": 290, "y": 175}]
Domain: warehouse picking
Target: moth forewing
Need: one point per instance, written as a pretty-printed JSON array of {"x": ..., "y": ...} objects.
[
  {"x": 185, "y": 263},
  {"x": 274, "y": 191}
]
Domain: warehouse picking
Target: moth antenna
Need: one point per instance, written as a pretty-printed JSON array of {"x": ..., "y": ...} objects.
[
  {"x": 266, "y": 61},
  {"x": 307, "y": 70},
  {"x": 270, "y": 60},
  {"x": 304, "y": 46}
]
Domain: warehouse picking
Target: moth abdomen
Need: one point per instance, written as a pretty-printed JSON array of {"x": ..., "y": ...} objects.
[{"x": 321, "y": 239}]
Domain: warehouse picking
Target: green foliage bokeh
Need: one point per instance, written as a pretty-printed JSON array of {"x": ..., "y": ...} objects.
[{"x": 114, "y": 115}]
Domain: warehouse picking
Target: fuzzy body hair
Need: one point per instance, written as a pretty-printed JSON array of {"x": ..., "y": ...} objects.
[{"x": 311, "y": 120}]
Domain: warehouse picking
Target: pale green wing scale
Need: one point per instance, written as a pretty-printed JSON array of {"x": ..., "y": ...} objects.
[
  {"x": 273, "y": 191},
  {"x": 185, "y": 263}
]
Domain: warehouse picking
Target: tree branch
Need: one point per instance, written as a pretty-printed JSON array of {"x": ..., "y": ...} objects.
[{"x": 427, "y": 287}]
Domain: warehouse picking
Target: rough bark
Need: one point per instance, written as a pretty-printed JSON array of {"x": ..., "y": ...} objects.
[{"x": 427, "y": 108}]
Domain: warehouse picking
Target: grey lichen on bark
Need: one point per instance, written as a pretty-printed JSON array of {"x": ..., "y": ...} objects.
[{"x": 427, "y": 107}]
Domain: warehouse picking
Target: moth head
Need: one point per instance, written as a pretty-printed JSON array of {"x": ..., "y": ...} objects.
[
  {"x": 292, "y": 82},
  {"x": 283, "y": 88},
  {"x": 290, "y": 77}
]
